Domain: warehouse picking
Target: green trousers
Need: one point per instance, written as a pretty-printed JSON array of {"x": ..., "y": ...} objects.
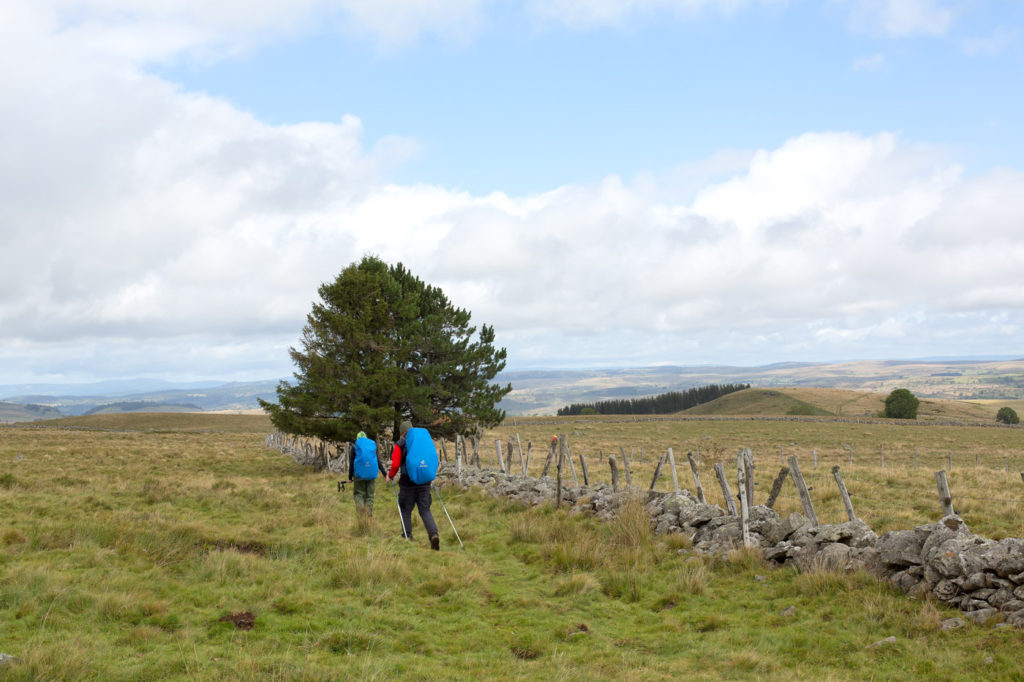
[{"x": 362, "y": 493}]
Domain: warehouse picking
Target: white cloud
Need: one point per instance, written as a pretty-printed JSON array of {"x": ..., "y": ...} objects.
[
  {"x": 901, "y": 18},
  {"x": 993, "y": 44},
  {"x": 591, "y": 13},
  {"x": 872, "y": 63},
  {"x": 147, "y": 227}
]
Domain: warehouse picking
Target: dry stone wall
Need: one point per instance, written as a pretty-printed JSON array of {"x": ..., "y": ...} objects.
[{"x": 982, "y": 577}]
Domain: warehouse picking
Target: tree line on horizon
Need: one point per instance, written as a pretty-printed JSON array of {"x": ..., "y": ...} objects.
[{"x": 665, "y": 403}]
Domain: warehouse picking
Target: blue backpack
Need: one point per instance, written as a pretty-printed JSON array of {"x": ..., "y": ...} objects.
[
  {"x": 420, "y": 456},
  {"x": 364, "y": 465}
]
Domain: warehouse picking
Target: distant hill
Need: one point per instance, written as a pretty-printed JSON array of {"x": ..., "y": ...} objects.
[
  {"x": 221, "y": 397},
  {"x": 543, "y": 392},
  {"x": 14, "y": 412},
  {"x": 767, "y": 402}
]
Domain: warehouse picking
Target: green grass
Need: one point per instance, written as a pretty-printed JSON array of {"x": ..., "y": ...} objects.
[{"x": 124, "y": 556}]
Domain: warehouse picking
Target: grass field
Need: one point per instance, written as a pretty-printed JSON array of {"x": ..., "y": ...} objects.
[{"x": 130, "y": 551}]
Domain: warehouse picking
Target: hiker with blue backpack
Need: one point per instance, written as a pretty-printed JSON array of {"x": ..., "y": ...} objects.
[
  {"x": 363, "y": 467},
  {"x": 416, "y": 457}
]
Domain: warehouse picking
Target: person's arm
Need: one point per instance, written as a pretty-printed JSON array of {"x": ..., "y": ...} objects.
[{"x": 396, "y": 461}]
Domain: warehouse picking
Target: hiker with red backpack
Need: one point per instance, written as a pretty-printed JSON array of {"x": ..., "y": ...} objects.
[
  {"x": 363, "y": 466},
  {"x": 416, "y": 456}
]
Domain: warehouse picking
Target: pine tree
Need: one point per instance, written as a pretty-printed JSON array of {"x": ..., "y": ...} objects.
[{"x": 380, "y": 347}]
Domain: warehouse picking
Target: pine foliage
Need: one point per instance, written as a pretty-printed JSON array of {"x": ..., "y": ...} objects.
[{"x": 380, "y": 347}]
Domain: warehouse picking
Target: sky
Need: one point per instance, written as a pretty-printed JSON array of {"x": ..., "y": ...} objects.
[{"x": 609, "y": 183}]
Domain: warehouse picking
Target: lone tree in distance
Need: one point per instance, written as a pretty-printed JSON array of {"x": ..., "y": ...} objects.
[
  {"x": 901, "y": 404},
  {"x": 380, "y": 347},
  {"x": 1007, "y": 415}
]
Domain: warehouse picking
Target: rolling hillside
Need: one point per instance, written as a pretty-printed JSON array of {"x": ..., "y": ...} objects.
[
  {"x": 839, "y": 403},
  {"x": 15, "y": 412}
]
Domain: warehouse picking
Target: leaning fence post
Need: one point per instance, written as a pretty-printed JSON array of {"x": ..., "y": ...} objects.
[
  {"x": 519, "y": 448},
  {"x": 741, "y": 484},
  {"x": 625, "y": 465},
  {"x": 583, "y": 467},
  {"x": 551, "y": 456},
  {"x": 726, "y": 493},
  {"x": 657, "y": 470},
  {"x": 842, "y": 491},
  {"x": 615, "y": 473},
  {"x": 672, "y": 465},
  {"x": 696, "y": 478},
  {"x": 572, "y": 467},
  {"x": 801, "y": 487},
  {"x": 777, "y": 487},
  {"x": 944, "y": 497}
]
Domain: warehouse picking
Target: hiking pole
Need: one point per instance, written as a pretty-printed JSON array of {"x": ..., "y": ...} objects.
[
  {"x": 401, "y": 521},
  {"x": 447, "y": 514}
]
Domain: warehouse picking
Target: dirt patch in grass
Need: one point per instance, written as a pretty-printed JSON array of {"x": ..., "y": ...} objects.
[
  {"x": 245, "y": 547},
  {"x": 243, "y": 620}
]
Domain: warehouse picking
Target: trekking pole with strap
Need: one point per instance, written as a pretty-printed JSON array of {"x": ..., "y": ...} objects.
[
  {"x": 401, "y": 521},
  {"x": 447, "y": 514}
]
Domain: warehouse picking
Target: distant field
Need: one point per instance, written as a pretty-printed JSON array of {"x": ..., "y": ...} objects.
[
  {"x": 167, "y": 421},
  {"x": 175, "y": 547}
]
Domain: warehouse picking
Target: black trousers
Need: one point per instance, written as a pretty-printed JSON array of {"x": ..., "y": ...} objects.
[{"x": 418, "y": 496}]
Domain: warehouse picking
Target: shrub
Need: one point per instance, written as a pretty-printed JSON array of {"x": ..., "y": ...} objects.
[
  {"x": 1007, "y": 415},
  {"x": 901, "y": 404}
]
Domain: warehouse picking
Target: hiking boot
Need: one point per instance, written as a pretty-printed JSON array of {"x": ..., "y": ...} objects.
[{"x": 435, "y": 543}]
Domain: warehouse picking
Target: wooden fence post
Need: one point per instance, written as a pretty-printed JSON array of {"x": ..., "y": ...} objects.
[
  {"x": 572, "y": 467},
  {"x": 657, "y": 470},
  {"x": 529, "y": 447},
  {"x": 777, "y": 487},
  {"x": 519, "y": 449},
  {"x": 950, "y": 460},
  {"x": 815, "y": 457},
  {"x": 501, "y": 460},
  {"x": 561, "y": 452},
  {"x": 748, "y": 469},
  {"x": 672, "y": 465},
  {"x": 551, "y": 456},
  {"x": 696, "y": 478},
  {"x": 726, "y": 493},
  {"x": 944, "y": 498},
  {"x": 801, "y": 487},
  {"x": 458, "y": 457},
  {"x": 615, "y": 473},
  {"x": 625, "y": 465},
  {"x": 583, "y": 468},
  {"x": 741, "y": 484},
  {"x": 842, "y": 491}
]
